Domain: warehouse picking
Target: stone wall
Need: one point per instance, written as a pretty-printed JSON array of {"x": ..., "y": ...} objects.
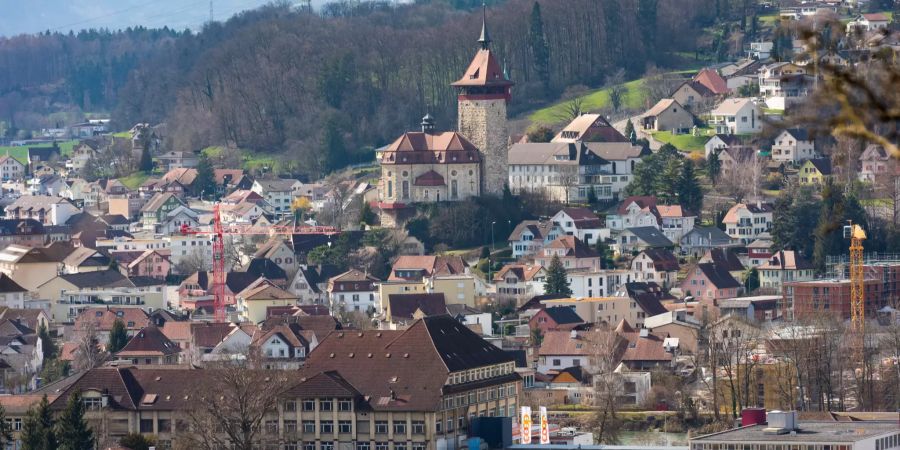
[{"x": 483, "y": 122}]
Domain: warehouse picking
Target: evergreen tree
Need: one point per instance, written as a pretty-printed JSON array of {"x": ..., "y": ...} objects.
[
  {"x": 713, "y": 167},
  {"x": 752, "y": 280},
  {"x": 6, "y": 436},
  {"x": 837, "y": 209},
  {"x": 333, "y": 147},
  {"x": 606, "y": 260},
  {"x": 47, "y": 344},
  {"x": 146, "y": 164},
  {"x": 667, "y": 182},
  {"x": 367, "y": 216},
  {"x": 73, "y": 430},
  {"x": 690, "y": 194},
  {"x": 118, "y": 337},
  {"x": 629, "y": 131},
  {"x": 557, "y": 281},
  {"x": 37, "y": 429},
  {"x": 205, "y": 183},
  {"x": 540, "y": 51}
]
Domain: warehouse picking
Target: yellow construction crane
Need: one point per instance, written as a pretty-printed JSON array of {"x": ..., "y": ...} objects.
[{"x": 857, "y": 235}]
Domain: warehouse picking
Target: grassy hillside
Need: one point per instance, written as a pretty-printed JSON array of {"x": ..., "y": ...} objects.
[
  {"x": 634, "y": 99},
  {"x": 684, "y": 142},
  {"x": 21, "y": 153}
]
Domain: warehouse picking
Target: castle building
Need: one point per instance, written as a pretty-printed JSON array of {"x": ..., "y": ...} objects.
[{"x": 435, "y": 166}]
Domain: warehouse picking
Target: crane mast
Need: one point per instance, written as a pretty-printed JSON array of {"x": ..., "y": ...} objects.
[{"x": 218, "y": 233}]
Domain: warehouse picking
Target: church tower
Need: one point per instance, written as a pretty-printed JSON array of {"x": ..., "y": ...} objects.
[{"x": 483, "y": 93}]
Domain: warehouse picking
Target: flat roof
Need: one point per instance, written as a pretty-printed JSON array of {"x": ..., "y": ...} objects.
[{"x": 808, "y": 432}]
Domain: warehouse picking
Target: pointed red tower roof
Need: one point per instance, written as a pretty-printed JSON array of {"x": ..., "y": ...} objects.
[{"x": 484, "y": 71}]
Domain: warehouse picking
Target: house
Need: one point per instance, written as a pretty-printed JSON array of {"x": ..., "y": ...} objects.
[
  {"x": 572, "y": 253},
  {"x": 644, "y": 350},
  {"x": 149, "y": 346},
  {"x": 640, "y": 238},
  {"x": 634, "y": 303},
  {"x": 725, "y": 259},
  {"x": 783, "y": 84},
  {"x": 581, "y": 223},
  {"x": 530, "y": 236},
  {"x": 403, "y": 309},
  {"x": 783, "y": 266},
  {"x": 353, "y": 290},
  {"x": 760, "y": 50},
  {"x": 82, "y": 152},
  {"x": 565, "y": 172},
  {"x": 656, "y": 265},
  {"x": 557, "y": 318},
  {"x": 279, "y": 251},
  {"x": 589, "y": 128},
  {"x": 815, "y": 171},
  {"x": 721, "y": 142},
  {"x": 597, "y": 283},
  {"x": 183, "y": 177},
  {"x": 100, "y": 320},
  {"x": 693, "y": 95},
  {"x": 874, "y": 163},
  {"x": 793, "y": 145},
  {"x": 746, "y": 221},
  {"x": 243, "y": 212},
  {"x": 149, "y": 263},
  {"x": 711, "y": 80},
  {"x": 156, "y": 211},
  {"x": 25, "y": 232},
  {"x": 702, "y": 239},
  {"x": 84, "y": 259},
  {"x": 11, "y": 169},
  {"x": 475, "y": 320},
  {"x": 520, "y": 281},
  {"x": 31, "y": 267},
  {"x": 71, "y": 293},
  {"x": 563, "y": 349},
  {"x": 868, "y": 23},
  {"x": 736, "y": 116},
  {"x": 45, "y": 184},
  {"x": 310, "y": 283},
  {"x": 39, "y": 155},
  {"x": 675, "y": 221},
  {"x": 277, "y": 192},
  {"x": 668, "y": 115},
  {"x": 282, "y": 345},
  {"x": 228, "y": 180},
  {"x": 448, "y": 275},
  {"x": 760, "y": 308},
  {"x": 253, "y": 301},
  {"x": 11, "y": 294},
  {"x": 43, "y": 208},
  {"x": 174, "y": 159},
  {"x": 760, "y": 250},
  {"x": 678, "y": 325},
  {"x": 635, "y": 211},
  {"x": 708, "y": 282}
]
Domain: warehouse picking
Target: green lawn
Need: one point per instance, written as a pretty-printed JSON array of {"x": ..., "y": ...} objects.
[
  {"x": 684, "y": 142},
  {"x": 880, "y": 202},
  {"x": 122, "y": 134},
  {"x": 134, "y": 180},
  {"x": 634, "y": 99},
  {"x": 595, "y": 100},
  {"x": 21, "y": 153},
  {"x": 770, "y": 19}
]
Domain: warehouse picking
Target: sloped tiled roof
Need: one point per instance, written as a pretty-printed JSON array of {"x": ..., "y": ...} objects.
[
  {"x": 149, "y": 341},
  {"x": 651, "y": 235},
  {"x": 823, "y": 165},
  {"x": 404, "y": 306},
  {"x": 663, "y": 259},
  {"x": 718, "y": 276},
  {"x": 563, "y": 315},
  {"x": 711, "y": 79},
  {"x": 573, "y": 247}
]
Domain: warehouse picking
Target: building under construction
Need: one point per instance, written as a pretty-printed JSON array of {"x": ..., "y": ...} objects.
[{"x": 832, "y": 294}]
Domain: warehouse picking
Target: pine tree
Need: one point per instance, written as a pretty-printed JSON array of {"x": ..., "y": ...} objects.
[
  {"x": 690, "y": 194},
  {"x": 629, "y": 131},
  {"x": 118, "y": 337},
  {"x": 146, "y": 164},
  {"x": 667, "y": 182},
  {"x": 540, "y": 51},
  {"x": 557, "y": 281},
  {"x": 37, "y": 429},
  {"x": 73, "y": 430},
  {"x": 6, "y": 436},
  {"x": 47, "y": 344},
  {"x": 205, "y": 183}
]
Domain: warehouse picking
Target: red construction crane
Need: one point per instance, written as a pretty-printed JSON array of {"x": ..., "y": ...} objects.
[{"x": 218, "y": 233}]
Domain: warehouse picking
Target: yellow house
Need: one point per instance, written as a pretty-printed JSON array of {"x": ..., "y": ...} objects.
[
  {"x": 255, "y": 300},
  {"x": 457, "y": 289},
  {"x": 813, "y": 172},
  {"x": 29, "y": 267}
]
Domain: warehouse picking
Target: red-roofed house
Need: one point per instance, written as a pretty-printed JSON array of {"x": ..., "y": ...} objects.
[
  {"x": 582, "y": 223},
  {"x": 572, "y": 252}
]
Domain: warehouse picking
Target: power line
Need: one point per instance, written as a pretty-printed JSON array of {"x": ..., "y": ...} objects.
[{"x": 102, "y": 16}]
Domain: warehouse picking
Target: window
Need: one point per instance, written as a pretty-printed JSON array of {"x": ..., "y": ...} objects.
[
  {"x": 271, "y": 427},
  {"x": 146, "y": 425},
  {"x": 362, "y": 446},
  {"x": 309, "y": 405},
  {"x": 438, "y": 426},
  {"x": 381, "y": 446},
  {"x": 93, "y": 403},
  {"x": 345, "y": 405},
  {"x": 557, "y": 363},
  {"x": 290, "y": 426},
  {"x": 381, "y": 427},
  {"x": 326, "y": 427},
  {"x": 399, "y": 445},
  {"x": 164, "y": 425},
  {"x": 309, "y": 426},
  {"x": 418, "y": 427},
  {"x": 326, "y": 405},
  {"x": 418, "y": 446},
  {"x": 345, "y": 426},
  {"x": 290, "y": 406},
  {"x": 399, "y": 427},
  {"x": 329, "y": 445}
]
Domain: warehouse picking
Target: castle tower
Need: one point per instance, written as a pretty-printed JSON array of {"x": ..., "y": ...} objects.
[{"x": 483, "y": 93}]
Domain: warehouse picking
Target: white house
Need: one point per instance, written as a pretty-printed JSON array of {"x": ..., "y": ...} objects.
[
  {"x": 793, "y": 145},
  {"x": 472, "y": 318},
  {"x": 736, "y": 116},
  {"x": 634, "y": 212},
  {"x": 598, "y": 283},
  {"x": 530, "y": 236},
  {"x": 11, "y": 294},
  {"x": 278, "y": 192},
  {"x": 177, "y": 218},
  {"x": 520, "y": 281},
  {"x": 354, "y": 290},
  {"x": 746, "y": 221},
  {"x": 868, "y": 22},
  {"x": 655, "y": 265},
  {"x": 581, "y": 223},
  {"x": 676, "y": 221}
]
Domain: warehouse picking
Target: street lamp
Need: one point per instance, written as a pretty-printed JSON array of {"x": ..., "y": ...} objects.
[{"x": 493, "y": 247}]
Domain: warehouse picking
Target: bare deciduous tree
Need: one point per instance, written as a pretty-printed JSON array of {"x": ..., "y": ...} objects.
[
  {"x": 88, "y": 354},
  {"x": 605, "y": 347}
]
